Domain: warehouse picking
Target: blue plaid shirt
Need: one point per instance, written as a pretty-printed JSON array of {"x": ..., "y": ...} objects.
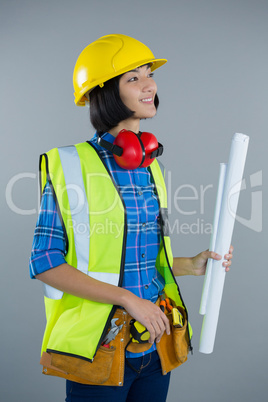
[{"x": 143, "y": 237}]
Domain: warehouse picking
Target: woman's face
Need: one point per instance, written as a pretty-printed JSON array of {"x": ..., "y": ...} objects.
[{"x": 137, "y": 90}]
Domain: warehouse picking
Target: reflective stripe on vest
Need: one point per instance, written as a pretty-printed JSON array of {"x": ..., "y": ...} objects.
[{"x": 79, "y": 209}]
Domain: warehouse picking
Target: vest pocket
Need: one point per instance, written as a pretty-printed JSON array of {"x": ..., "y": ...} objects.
[{"x": 96, "y": 372}]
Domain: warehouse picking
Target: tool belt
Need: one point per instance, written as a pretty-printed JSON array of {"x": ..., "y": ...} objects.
[{"x": 108, "y": 365}]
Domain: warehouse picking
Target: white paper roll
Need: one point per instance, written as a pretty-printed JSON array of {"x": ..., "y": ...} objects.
[
  {"x": 212, "y": 244},
  {"x": 233, "y": 179}
]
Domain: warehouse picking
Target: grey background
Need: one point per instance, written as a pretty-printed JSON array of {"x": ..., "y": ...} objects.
[{"x": 214, "y": 84}]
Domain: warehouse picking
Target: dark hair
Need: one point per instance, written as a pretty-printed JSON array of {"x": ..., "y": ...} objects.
[{"x": 106, "y": 107}]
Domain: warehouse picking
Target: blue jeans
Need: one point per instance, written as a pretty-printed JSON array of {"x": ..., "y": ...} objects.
[{"x": 143, "y": 382}]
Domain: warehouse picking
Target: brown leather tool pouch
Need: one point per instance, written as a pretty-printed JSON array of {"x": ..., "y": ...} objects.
[
  {"x": 97, "y": 372},
  {"x": 79, "y": 370},
  {"x": 107, "y": 367},
  {"x": 173, "y": 349}
]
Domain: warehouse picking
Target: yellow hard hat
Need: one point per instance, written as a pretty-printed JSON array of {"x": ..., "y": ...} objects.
[{"x": 106, "y": 58}]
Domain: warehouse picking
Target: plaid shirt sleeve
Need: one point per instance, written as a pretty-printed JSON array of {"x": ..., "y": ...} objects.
[{"x": 49, "y": 244}]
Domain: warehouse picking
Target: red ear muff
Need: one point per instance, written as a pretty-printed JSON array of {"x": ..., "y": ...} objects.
[
  {"x": 150, "y": 144},
  {"x": 133, "y": 150}
]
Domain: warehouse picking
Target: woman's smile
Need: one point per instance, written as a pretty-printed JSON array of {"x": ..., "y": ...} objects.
[{"x": 147, "y": 100}]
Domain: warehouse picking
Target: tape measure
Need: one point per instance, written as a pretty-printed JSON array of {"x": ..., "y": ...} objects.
[
  {"x": 138, "y": 332},
  {"x": 177, "y": 318}
]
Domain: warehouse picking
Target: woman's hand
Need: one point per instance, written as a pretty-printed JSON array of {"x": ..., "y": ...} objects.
[
  {"x": 149, "y": 315},
  {"x": 199, "y": 262}
]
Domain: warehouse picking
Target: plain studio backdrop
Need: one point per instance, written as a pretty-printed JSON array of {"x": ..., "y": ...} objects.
[{"x": 214, "y": 84}]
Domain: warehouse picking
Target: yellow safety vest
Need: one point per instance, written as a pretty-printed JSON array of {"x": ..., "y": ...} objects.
[{"x": 91, "y": 207}]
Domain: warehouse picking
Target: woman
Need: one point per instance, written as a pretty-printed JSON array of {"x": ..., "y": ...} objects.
[{"x": 101, "y": 244}]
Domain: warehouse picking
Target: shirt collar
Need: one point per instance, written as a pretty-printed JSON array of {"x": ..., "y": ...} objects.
[{"x": 106, "y": 136}]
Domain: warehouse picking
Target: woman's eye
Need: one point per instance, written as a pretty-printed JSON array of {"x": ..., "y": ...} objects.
[
  {"x": 132, "y": 79},
  {"x": 151, "y": 75}
]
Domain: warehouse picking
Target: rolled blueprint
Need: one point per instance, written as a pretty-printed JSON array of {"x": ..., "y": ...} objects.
[
  {"x": 212, "y": 244},
  {"x": 229, "y": 202}
]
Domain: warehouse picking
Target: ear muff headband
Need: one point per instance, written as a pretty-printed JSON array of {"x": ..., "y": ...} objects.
[{"x": 115, "y": 149}]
